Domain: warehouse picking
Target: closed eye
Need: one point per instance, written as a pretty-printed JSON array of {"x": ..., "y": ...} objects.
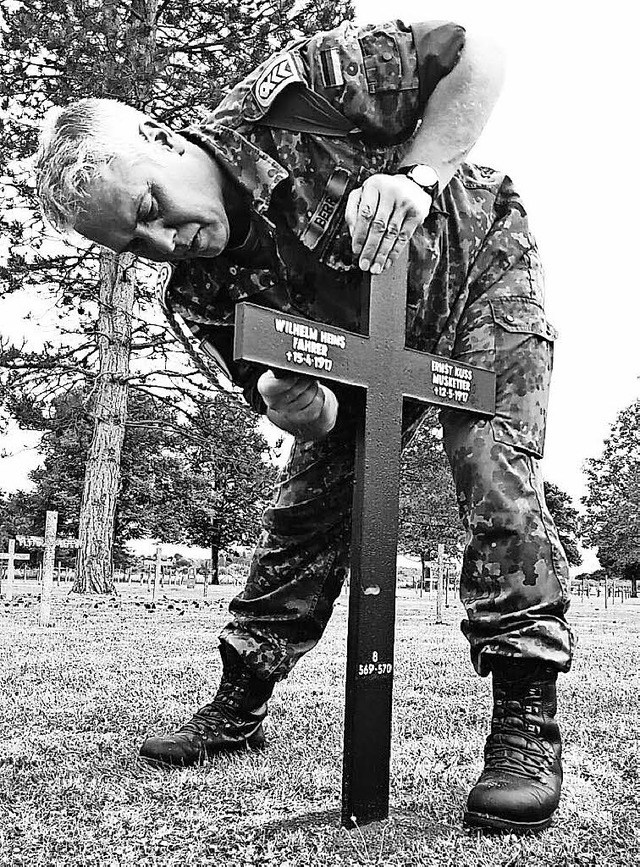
[{"x": 149, "y": 210}]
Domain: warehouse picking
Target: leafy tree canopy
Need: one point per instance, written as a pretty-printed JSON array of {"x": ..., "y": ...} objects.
[
  {"x": 612, "y": 519},
  {"x": 429, "y": 513},
  {"x": 180, "y": 483},
  {"x": 567, "y": 521}
]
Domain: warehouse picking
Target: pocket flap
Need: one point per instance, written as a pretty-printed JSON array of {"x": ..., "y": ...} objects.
[{"x": 522, "y": 315}]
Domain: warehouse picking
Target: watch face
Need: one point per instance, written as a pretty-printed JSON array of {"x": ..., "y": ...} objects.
[{"x": 424, "y": 175}]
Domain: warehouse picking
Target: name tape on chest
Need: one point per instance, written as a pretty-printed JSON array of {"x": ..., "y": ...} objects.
[
  {"x": 277, "y": 75},
  {"x": 327, "y": 207}
]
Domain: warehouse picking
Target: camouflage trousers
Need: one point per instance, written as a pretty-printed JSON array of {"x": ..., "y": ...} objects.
[{"x": 514, "y": 573}]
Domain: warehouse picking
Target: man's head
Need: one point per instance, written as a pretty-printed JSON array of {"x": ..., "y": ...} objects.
[{"x": 129, "y": 183}]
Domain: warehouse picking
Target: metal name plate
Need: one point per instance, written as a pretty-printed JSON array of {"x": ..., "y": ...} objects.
[{"x": 290, "y": 343}]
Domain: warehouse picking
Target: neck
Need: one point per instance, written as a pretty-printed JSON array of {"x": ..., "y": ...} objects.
[
  {"x": 233, "y": 197},
  {"x": 237, "y": 209}
]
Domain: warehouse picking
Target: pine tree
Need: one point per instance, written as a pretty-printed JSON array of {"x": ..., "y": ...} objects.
[{"x": 174, "y": 61}]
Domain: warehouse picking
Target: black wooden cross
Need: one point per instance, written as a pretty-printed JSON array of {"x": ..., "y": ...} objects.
[{"x": 379, "y": 363}]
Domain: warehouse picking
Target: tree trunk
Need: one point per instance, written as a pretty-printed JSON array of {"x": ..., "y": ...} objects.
[
  {"x": 215, "y": 561},
  {"x": 631, "y": 572},
  {"x": 117, "y": 282},
  {"x": 102, "y": 476}
]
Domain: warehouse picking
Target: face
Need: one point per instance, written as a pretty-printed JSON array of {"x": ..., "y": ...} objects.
[{"x": 164, "y": 205}]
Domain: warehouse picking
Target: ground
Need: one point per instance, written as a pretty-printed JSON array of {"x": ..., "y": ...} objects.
[{"x": 76, "y": 700}]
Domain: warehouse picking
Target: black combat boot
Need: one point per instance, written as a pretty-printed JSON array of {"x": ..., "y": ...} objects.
[
  {"x": 232, "y": 721},
  {"x": 519, "y": 788}
]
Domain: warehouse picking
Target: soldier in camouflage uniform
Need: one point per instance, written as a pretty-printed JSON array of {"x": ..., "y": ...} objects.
[{"x": 312, "y": 152}]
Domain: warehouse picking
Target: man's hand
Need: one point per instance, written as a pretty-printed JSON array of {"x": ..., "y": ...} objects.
[
  {"x": 382, "y": 216},
  {"x": 299, "y": 404}
]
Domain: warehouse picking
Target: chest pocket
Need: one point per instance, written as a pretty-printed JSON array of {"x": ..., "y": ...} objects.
[{"x": 388, "y": 65}]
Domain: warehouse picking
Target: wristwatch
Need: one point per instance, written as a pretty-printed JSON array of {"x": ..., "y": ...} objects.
[{"x": 422, "y": 175}]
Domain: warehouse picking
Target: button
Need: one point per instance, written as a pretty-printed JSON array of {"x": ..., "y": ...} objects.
[{"x": 387, "y": 56}]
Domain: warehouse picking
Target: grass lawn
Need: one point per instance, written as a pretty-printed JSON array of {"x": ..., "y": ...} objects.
[{"x": 76, "y": 700}]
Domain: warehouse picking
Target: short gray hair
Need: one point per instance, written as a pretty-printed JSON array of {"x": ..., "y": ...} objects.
[{"x": 76, "y": 142}]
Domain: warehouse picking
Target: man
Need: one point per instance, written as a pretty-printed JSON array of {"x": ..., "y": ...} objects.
[{"x": 323, "y": 163}]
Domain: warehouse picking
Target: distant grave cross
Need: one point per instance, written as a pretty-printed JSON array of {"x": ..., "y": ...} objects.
[
  {"x": 159, "y": 561},
  {"x": 380, "y": 363},
  {"x": 49, "y": 542},
  {"x": 11, "y": 557}
]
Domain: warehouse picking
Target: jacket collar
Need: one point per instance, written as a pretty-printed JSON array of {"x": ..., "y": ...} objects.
[{"x": 253, "y": 169}]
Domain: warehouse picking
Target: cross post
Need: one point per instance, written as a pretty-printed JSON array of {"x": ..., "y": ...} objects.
[
  {"x": 49, "y": 542},
  {"x": 155, "y": 564},
  {"x": 48, "y": 562},
  {"x": 157, "y": 577},
  {"x": 11, "y": 558},
  {"x": 380, "y": 363}
]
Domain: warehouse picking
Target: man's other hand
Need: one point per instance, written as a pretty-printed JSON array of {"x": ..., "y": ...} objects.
[
  {"x": 299, "y": 404},
  {"x": 382, "y": 216}
]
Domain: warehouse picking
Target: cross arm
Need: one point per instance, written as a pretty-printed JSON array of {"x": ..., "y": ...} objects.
[{"x": 288, "y": 342}]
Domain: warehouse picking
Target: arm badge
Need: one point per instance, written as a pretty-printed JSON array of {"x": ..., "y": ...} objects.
[{"x": 277, "y": 74}]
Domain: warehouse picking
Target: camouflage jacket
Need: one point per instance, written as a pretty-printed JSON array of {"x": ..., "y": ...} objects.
[{"x": 298, "y": 135}]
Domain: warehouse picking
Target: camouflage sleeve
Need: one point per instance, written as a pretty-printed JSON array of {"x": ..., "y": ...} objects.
[
  {"x": 438, "y": 46},
  {"x": 381, "y": 76}
]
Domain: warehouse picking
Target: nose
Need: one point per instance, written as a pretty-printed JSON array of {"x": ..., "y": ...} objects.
[{"x": 157, "y": 237}]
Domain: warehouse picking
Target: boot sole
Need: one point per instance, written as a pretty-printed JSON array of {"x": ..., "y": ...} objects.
[
  {"x": 486, "y": 822},
  {"x": 253, "y": 743}
]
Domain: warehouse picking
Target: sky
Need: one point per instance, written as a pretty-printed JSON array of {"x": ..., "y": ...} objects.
[{"x": 565, "y": 131}]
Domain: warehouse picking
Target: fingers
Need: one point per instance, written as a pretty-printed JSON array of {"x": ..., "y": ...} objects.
[
  {"x": 392, "y": 240},
  {"x": 351, "y": 211},
  {"x": 290, "y": 393},
  {"x": 370, "y": 223},
  {"x": 299, "y": 404},
  {"x": 382, "y": 216}
]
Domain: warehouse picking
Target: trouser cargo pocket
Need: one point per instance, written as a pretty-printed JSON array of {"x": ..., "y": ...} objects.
[
  {"x": 523, "y": 363},
  {"x": 511, "y": 335}
]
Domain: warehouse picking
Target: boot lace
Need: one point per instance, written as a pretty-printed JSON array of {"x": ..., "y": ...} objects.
[
  {"x": 516, "y": 744},
  {"x": 223, "y": 712}
]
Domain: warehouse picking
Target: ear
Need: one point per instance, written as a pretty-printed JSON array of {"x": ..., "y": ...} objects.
[{"x": 159, "y": 134}]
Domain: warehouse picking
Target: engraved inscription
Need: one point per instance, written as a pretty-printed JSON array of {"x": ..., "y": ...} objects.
[
  {"x": 310, "y": 346},
  {"x": 451, "y": 381}
]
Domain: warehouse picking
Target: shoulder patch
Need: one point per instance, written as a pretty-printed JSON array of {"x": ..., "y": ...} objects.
[{"x": 277, "y": 74}]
